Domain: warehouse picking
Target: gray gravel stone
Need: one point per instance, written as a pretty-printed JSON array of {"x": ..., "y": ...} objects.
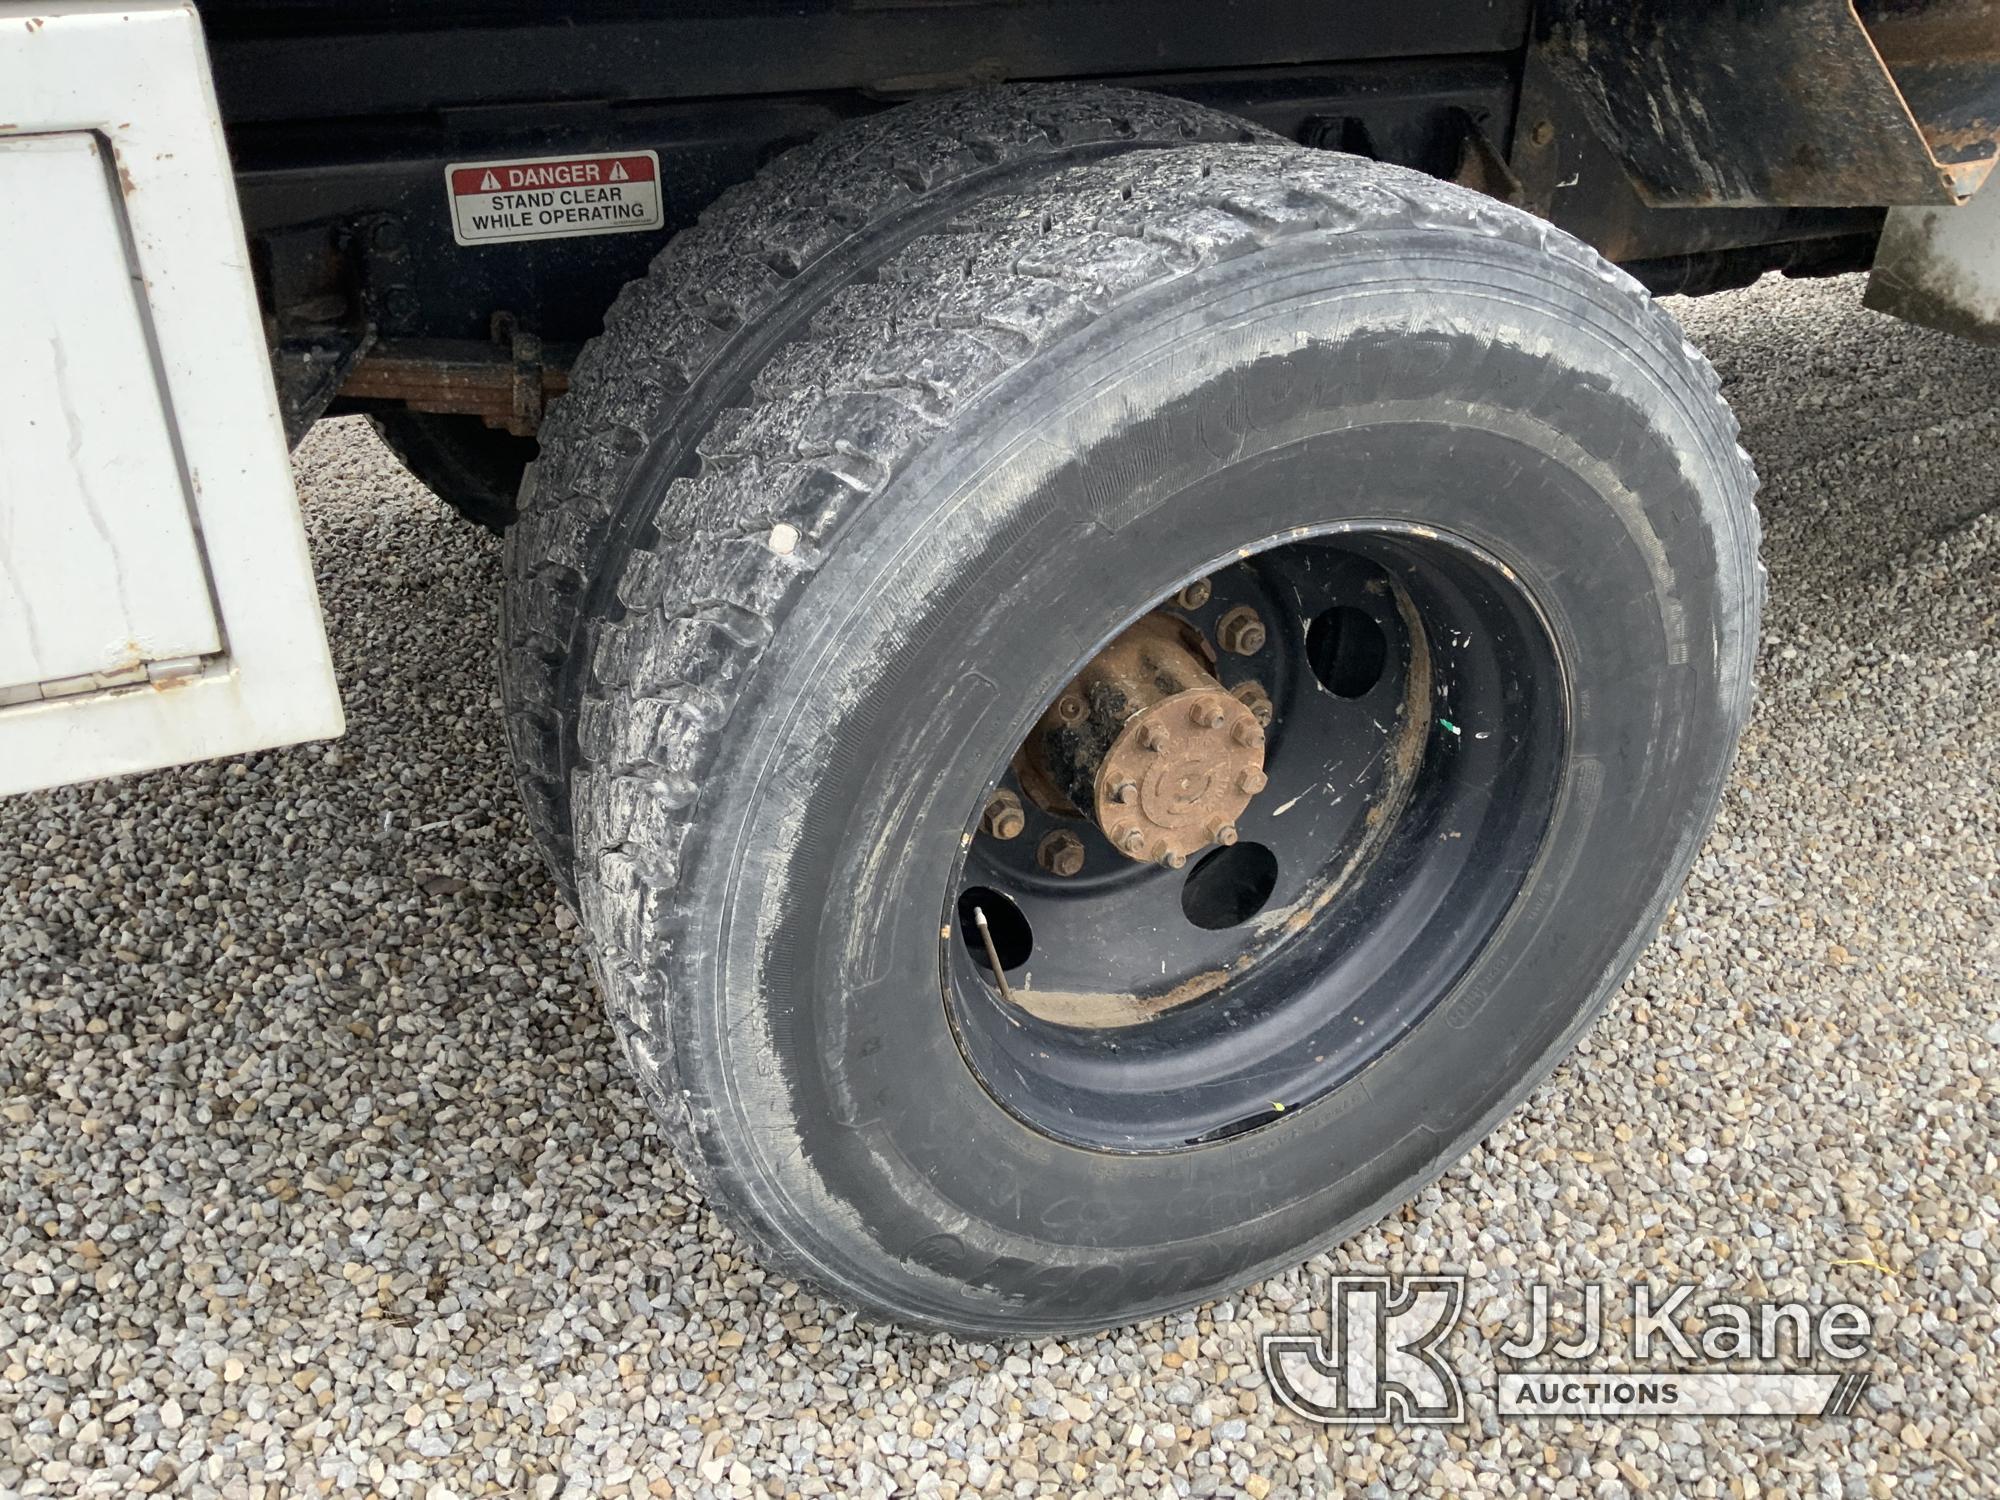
[{"x": 318, "y": 1175}]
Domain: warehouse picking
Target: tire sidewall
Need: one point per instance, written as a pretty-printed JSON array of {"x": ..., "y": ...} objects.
[{"x": 1413, "y": 376}]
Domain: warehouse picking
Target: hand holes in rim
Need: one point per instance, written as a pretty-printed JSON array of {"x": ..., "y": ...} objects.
[
  {"x": 1229, "y": 886},
  {"x": 1347, "y": 650},
  {"x": 1349, "y": 848},
  {"x": 1013, "y": 938}
]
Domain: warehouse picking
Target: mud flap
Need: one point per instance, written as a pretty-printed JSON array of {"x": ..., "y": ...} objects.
[{"x": 1941, "y": 267}]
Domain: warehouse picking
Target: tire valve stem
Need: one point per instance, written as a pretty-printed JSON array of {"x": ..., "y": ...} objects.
[{"x": 992, "y": 953}]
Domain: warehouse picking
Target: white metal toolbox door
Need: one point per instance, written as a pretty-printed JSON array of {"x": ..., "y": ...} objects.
[
  {"x": 89, "y": 476},
  {"x": 156, "y": 599}
]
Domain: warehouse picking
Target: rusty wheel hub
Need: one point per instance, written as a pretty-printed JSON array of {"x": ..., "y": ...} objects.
[{"x": 1150, "y": 746}]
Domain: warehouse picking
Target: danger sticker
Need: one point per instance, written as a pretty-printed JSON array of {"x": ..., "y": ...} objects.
[{"x": 550, "y": 197}]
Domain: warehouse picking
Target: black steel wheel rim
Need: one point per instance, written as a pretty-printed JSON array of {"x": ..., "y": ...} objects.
[{"x": 1415, "y": 744}]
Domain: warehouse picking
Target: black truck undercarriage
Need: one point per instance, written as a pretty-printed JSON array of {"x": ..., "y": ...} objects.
[{"x": 1697, "y": 146}]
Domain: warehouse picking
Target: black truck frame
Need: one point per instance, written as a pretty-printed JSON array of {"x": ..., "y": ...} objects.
[{"x": 1698, "y": 146}]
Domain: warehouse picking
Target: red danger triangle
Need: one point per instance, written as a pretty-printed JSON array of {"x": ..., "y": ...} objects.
[
  {"x": 618, "y": 172},
  {"x": 489, "y": 183}
]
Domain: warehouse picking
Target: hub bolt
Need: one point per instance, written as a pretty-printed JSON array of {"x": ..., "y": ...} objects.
[
  {"x": 1208, "y": 713},
  {"x": 1253, "y": 697},
  {"x": 1173, "y": 859},
  {"x": 1153, "y": 737},
  {"x": 1241, "y": 631},
  {"x": 1125, "y": 793},
  {"x": 1003, "y": 818},
  {"x": 1132, "y": 841},
  {"x": 1222, "y": 833},
  {"x": 1069, "y": 708},
  {"x": 1252, "y": 782},
  {"x": 1194, "y": 596},
  {"x": 1248, "y": 735},
  {"x": 1061, "y": 853}
]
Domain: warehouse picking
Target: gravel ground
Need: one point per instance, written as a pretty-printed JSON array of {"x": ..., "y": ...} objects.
[{"x": 317, "y": 1174}]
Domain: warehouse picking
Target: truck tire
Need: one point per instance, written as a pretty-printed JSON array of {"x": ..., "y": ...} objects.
[
  {"x": 1444, "y": 490},
  {"x": 473, "y": 468},
  {"x": 682, "y": 344}
]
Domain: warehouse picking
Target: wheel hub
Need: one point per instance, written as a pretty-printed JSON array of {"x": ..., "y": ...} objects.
[
  {"x": 1254, "y": 839},
  {"x": 1152, "y": 748}
]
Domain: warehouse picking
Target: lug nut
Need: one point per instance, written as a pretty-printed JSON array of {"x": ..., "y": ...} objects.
[
  {"x": 1207, "y": 713},
  {"x": 1061, "y": 853},
  {"x": 1003, "y": 818},
  {"x": 1252, "y": 782},
  {"x": 1248, "y": 735},
  {"x": 1222, "y": 833},
  {"x": 1069, "y": 708},
  {"x": 1240, "y": 631},
  {"x": 1253, "y": 697},
  {"x": 1173, "y": 859},
  {"x": 1195, "y": 595},
  {"x": 1125, "y": 792},
  {"x": 1153, "y": 737},
  {"x": 1131, "y": 841}
]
